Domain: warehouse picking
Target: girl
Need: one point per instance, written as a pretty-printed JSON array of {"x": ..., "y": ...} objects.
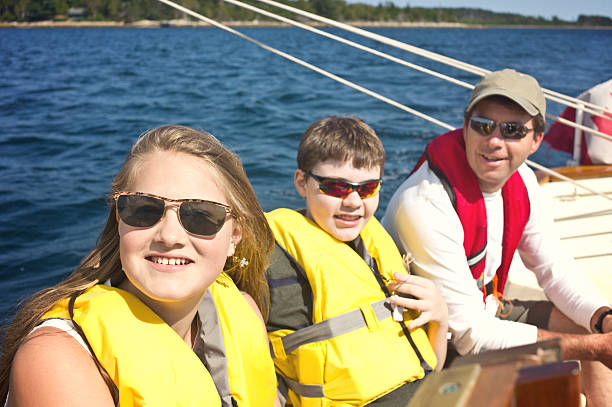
[{"x": 153, "y": 316}]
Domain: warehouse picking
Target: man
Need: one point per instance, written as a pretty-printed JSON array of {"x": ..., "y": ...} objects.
[{"x": 469, "y": 204}]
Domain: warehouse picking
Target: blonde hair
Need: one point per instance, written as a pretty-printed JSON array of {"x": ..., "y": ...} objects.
[{"x": 104, "y": 263}]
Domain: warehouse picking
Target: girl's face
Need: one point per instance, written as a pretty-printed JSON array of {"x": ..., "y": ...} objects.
[{"x": 165, "y": 263}]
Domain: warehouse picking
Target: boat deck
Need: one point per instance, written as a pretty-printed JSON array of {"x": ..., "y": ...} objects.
[{"x": 584, "y": 222}]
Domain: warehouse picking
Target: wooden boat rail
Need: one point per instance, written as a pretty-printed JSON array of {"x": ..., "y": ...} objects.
[{"x": 576, "y": 172}]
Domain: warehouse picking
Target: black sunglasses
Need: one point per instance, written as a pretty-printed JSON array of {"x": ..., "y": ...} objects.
[
  {"x": 509, "y": 130},
  {"x": 197, "y": 216},
  {"x": 342, "y": 189}
]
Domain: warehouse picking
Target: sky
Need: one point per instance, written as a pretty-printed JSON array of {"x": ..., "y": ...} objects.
[{"x": 564, "y": 9}]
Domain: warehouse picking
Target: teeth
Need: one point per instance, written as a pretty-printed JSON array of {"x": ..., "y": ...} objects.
[
  {"x": 492, "y": 158},
  {"x": 171, "y": 261},
  {"x": 348, "y": 217}
]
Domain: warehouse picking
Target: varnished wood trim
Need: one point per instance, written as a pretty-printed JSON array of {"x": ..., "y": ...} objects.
[{"x": 576, "y": 172}]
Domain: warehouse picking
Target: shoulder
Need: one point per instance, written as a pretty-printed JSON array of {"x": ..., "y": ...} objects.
[
  {"x": 528, "y": 176},
  {"x": 59, "y": 368},
  {"x": 420, "y": 195},
  {"x": 252, "y": 304},
  {"x": 531, "y": 184}
]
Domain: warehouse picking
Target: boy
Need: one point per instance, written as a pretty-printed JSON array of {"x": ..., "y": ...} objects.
[{"x": 330, "y": 324}]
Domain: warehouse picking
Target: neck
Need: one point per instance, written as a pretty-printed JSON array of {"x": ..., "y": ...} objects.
[
  {"x": 490, "y": 187},
  {"x": 179, "y": 315}
]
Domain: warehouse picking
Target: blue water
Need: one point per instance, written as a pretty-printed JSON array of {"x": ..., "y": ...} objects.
[{"x": 72, "y": 101}]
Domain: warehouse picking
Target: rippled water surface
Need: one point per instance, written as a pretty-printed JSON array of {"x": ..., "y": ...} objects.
[{"x": 72, "y": 101}]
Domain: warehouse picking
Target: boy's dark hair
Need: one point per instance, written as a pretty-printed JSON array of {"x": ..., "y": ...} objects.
[{"x": 340, "y": 139}]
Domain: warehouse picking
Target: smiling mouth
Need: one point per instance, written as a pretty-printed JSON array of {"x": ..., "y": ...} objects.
[
  {"x": 491, "y": 159},
  {"x": 173, "y": 261},
  {"x": 348, "y": 218}
]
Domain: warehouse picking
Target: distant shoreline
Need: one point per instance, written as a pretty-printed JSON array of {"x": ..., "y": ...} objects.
[{"x": 256, "y": 23}]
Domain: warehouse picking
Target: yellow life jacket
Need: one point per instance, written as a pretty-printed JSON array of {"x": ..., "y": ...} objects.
[
  {"x": 327, "y": 363},
  {"x": 147, "y": 360},
  {"x": 237, "y": 353}
]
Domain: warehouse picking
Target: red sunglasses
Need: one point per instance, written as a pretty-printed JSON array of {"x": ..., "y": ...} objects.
[{"x": 342, "y": 189}]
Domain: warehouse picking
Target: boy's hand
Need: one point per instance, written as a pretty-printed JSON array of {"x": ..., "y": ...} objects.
[{"x": 425, "y": 298}]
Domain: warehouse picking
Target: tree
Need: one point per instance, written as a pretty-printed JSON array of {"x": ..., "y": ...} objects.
[
  {"x": 41, "y": 10},
  {"x": 325, "y": 8}
]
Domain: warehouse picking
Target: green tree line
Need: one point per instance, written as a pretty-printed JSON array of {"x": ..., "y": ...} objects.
[{"x": 133, "y": 10}]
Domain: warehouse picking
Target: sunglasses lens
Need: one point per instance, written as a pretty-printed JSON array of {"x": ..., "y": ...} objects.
[
  {"x": 483, "y": 126},
  {"x": 140, "y": 211},
  {"x": 368, "y": 190},
  {"x": 202, "y": 218},
  {"x": 513, "y": 130},
  {"x": 335, "y": 188}
]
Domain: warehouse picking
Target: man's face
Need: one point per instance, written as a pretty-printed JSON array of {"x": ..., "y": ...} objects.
[{"x": 494, "y": 158}]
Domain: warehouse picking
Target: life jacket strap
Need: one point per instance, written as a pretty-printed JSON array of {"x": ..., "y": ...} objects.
[
  {"x": 210, "y": 348},
  {"x": 332, "y": 327},
  {"x": 305, "y": 390}
]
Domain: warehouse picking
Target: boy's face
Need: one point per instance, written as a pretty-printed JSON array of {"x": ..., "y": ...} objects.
[{"x": 343, "y": 218}]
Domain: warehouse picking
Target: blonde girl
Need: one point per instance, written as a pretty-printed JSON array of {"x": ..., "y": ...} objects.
[{"x": 165, "y": 309}]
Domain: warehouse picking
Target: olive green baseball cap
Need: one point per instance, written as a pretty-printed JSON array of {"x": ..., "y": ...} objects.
[{"x": 521, "y": 88}]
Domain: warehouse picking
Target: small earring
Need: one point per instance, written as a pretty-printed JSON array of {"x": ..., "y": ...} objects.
[{"x": 241, "y": 262}]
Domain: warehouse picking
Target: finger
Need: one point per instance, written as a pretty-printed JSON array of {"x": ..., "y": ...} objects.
[
  {"x": 407, "y": 302},
  {"x": 413, "y": 279},
  {"x": 410, "y": 289},
  {"x": 421, "y": 320},
  {"x": 402, "y": 277}
]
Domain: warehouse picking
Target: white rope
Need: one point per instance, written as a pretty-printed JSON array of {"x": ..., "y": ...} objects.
[
  {"x": 580, "y": 126},
  {"x": 353, "y": 85},
  {"x": 380, "y": 38},
  {"x": 557, "y": 97},
  {"x": 310, "y": 66},
  {"x": 431, "y": 55},
  {"x": 567, "y": 179},
  {"x": 587, "y": 107},
  {"x": 574, "y": 102},
  {"x": 351, "y": 43}
]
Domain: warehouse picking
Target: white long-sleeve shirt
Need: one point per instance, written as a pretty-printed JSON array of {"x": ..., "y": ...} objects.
[{"x": 421, "y": 219}]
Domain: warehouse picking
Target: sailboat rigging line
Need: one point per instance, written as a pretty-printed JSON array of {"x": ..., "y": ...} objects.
[
  {"x": 564, "y": 178},
  {"x": 588, "y": 107},
  {"x": 351, "y": 43},
  {"x": 422, "y": 52},
  {"x": 381, "y": 38},
  {"x": 599, "y": 111},
  {"x": 310, "y": 66},
  {"x": 353, "y": 85},
  {"x": 580, "y": 126},
  {"x": 557, "y": 97}
]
